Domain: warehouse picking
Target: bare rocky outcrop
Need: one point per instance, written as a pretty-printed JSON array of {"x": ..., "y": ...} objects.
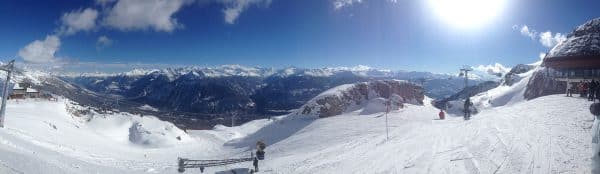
[
  {"x": 542, "y": 83},
  {"x": 351, "y": 97}
]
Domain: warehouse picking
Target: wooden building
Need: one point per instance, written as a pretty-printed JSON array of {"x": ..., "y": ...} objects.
[
  {"x": 574, "y": 68},
  {"x": 24, "y": 90},
  {"x": 18, "y": 92}
]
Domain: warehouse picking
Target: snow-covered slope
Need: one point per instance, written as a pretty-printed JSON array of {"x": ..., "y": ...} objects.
[
  {"x": 546, "y": 135},
  {"x": 43, "y": 137},
  {"x": 529, "y": 137},
  {"x": 510, "y": 91}
]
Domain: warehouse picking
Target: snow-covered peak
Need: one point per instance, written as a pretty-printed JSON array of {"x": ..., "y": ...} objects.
[
  {"x": 360, "y": 70},
  {"x": 235, "y": 70},
  {"x": 584, "y": 41},
  {"x": 139, "y": 72},
  {"x": 589, "y": 27}
]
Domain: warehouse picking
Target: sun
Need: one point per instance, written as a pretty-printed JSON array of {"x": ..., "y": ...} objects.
[{"x": 467, "y": 13}]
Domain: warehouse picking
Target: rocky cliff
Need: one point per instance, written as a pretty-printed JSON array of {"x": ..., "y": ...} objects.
[{"x": 367, "y": 96}]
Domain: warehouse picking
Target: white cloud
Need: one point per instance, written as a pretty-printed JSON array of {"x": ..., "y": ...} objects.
[
  {"x": 78, "y": 20},
  {"x": 233, "y": 8},
  {"x": 549, "y": 40},
  {"x": 144, "y": 14},
  {"x": 103, "y": 41},
  {"x": 339, "y": 4},
  {"x": 525, "y": 31},
  {"x": 496, "y": 69},
  {"x": 41, "y": 51}
]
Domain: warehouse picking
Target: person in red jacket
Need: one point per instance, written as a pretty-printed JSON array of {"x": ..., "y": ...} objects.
[{"x": 441, "y": 114}]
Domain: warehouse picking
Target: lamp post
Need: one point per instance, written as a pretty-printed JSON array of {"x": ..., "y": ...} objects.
[{"x": 9, "y": 67}]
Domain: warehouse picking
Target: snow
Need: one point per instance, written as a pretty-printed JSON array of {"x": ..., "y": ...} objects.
[
  {"x": 148, "y": 108},
  {"x": 528, "y": 137},
  {"x": 42, "y": 137},
  {"x": 496, "y": 97},
  {"x": 550, "y": 134},
  {"x": 333, "y": 91},
  {"x": 31, "y": 90},
  {"x": 139, "y": 72},
  {"x": 17, "y": 86},
  {"x": 376, "y": 105},
  {"x": 584, "y": 41}
]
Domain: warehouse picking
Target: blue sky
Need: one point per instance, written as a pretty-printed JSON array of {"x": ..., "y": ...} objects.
[{"x": 390, "y": 34}]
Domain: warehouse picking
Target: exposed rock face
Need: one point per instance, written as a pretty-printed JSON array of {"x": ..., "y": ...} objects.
[
  {"x": 347, "y": 98},
  {"x": 542, "y": 83}
]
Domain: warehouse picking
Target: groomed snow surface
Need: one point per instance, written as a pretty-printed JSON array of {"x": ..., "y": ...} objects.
[{"x": 546, "y": 135}]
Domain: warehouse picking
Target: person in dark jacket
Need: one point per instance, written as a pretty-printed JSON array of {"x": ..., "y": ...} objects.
[
  {"x": 592, "y": 90},
  {"x": 260, "y": 154},
  {"x": 467, "y": 110}
]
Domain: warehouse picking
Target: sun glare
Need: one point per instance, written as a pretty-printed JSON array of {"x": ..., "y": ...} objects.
[{"x": 467, "y": 13}]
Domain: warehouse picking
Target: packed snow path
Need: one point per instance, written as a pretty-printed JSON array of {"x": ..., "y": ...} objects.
[{"x": 546, "y": 135}]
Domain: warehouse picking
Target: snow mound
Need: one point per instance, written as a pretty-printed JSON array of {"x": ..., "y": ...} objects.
[
  {"x": 158, "y": 136},
  {"x": 372, "y": 96},
  {"x": 147, "y": 131},
  {"x": 148, "y": 108}
]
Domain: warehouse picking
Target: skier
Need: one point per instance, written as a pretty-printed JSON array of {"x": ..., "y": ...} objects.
[
  {"x": 595, "y": 110},
  {"x": 467, "y": 110},
  {"x": 441, "y": 114},
  {"x": 260, "y": 155}
]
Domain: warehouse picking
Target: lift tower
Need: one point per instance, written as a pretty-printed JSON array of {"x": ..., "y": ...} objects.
[{"x": 9, "y": 67}]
